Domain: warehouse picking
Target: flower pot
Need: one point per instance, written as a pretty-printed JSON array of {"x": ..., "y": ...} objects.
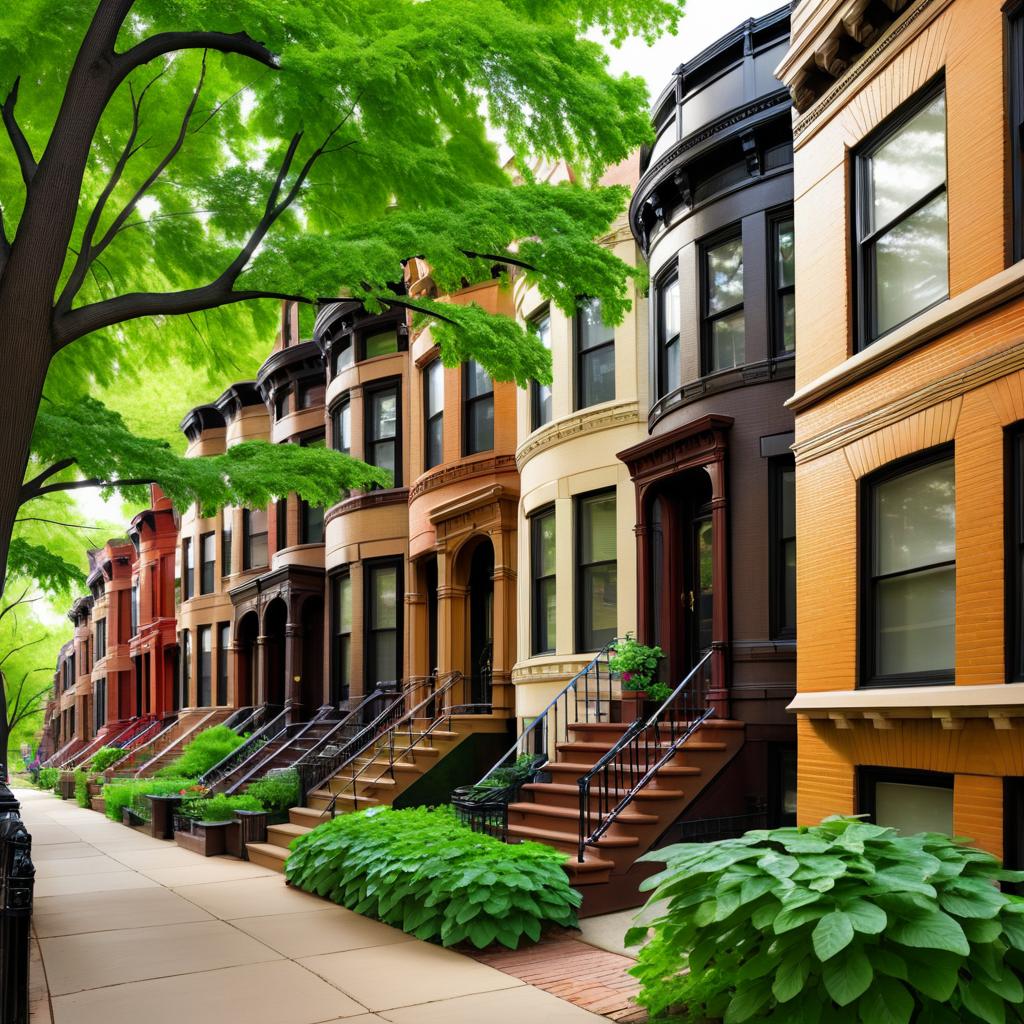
[
  {"x": 634, "y": 703},
  {"x": 161, "y": 821},
  {"x": 207, "y": 838}
]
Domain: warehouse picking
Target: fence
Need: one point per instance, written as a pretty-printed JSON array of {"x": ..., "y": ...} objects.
[{"x": 17, "y": 876}]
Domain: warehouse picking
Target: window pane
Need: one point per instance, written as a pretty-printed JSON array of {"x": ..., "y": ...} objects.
[
  {"x": 343, "y": 599},
  {"x": 787, "y": 481},
  {"x": 343, "y": 354},
  {"x": 312, "y": 524},
  {"x": 914, "y": 809},
  {"x": 598, "y": 376},
  {"x": 725, "y": 275},
  {"x": 546, "y": 616},
  {"x": 385, "y": 415},
  {"x": 481, "y": 426},
  {"x": 258, "y": 520},
  {"x": 258, "y": 549},
  {"x": 382, "y": 455},
  {"x": 599, "y": 605},
  {"x": 478, "y": 380},
  {"x": 435, "y": 441},
  {"x": 916, "y": 617},
  {"x": 672, "y": 368},
  {"x": 592, "y": 329},
  {"x": 342, "y": 428},
  {"x": 546, "y": 544},
  {"x": 380, "y": 344},
  {"x": 909, "y": 164},
  {"x": 915, "y": 519},
  {"x": 789, "y": 585},
  {"x": 385, "y": 656},
  {"x": 384, "y": 614},
  {"x": 788, "y": 322},
  {"x": 785, "y": 254},
  {"x": 911, "y": 265},
  {"x": 598, "y": 528},
  {"x": 543, "y": 405},
  {"x": 727, "y": 341},
  {"x": 311, "y": 395},
  {"x": 435, "y": 387},
  {"x": 669, "y": 304}
]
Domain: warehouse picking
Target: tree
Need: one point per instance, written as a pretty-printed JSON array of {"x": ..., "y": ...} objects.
[{"x": 169, "y": 160}]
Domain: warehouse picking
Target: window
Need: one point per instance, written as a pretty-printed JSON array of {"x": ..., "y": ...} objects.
[
  {"x": 782, "y": 553},
  {"x": 595, "y": 356},
  {"x": 101, "y": 639},
  {"x": 135, "y": 608},
  {"x": 207, "y": 562},
  {"x": 186, "y": 668},
  {"x": 540, "y": 394},
  {"x": 433, "y": 414},
  {"x": 596, "y": 576},
  {"x": 478, "y": 402},
  {"x": 382, "y": 431},
  {"x": 223, "y": 656},
  {"x": 281, "y": 524},
  {"x": 902, "y": 243},
  {"x": 723, "y": 323},
  {"x": 205, "y": 636},
  {"x": 542, "y": 556},
  {"x": 380, "y": 343},
  {"x": 280, "y": 403},
  {"x": 254, "y": 538},
  {"x": 910, "y": 590},
  {"x": 188, "y": 568},
  {"x": 341, "y": 427},
  {"x": 99, "y": 705},
  {"x": 667, "y": 326},
  {"x": 1015, "y": 560},
  {"x": 227, "y": 517},
  {"x": 342, "y": 354},
  {"x": 311, "y": 517},
  {"x": 911, "y": 801},
  {"x": 310, "y": 394},
  {"x": 1015, "y": 66},
  {"x": 341, "y": 635},
  {"x": 783, "y": 284},
  {"x": 383, "y": 627}
]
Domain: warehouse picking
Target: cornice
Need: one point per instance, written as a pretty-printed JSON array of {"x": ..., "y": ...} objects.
[
  {"x": 372, "y": 499},
  {"x": 442, "y": 476},
  {"x": 567, "y": 428}
]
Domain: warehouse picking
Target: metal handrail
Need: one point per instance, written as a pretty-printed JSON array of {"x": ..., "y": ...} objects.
[
  {"x": 682, "y": 713},
  {"x": 561, "y": 699},
  {"x": 50, "y": 761},
  {"x": 241, "y": 754},
  {"x": 161, "y": 732},
  {"x": 96, "y": 743},
  {"x": 351, "y": 717},
  {"x": 143, "y": 725},
  {"x": 242, "y": 717}
]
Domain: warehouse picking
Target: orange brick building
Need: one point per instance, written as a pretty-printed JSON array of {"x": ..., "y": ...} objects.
[{"x": 909, "y": 412}]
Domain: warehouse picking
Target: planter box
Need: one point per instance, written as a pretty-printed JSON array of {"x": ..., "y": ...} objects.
[
  {"x": 207, "y": 838},
  {"x": 251, "y": 827},
  {"x": 66, "y": 786},
  {"x": 97, "y": 803},
  {"x": 161, "y": 818},
  {"x": 633, "y": 705}
]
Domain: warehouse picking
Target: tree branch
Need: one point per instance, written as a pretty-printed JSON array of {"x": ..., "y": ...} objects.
[
  {"x": 14, "y": 604},
  {"x": 56, "y": 522},
  {"x": 170, "y": 42},
  {"x": 5, "y": 242},
  {"x": 419, "y": 309},
  {"x": 510, "y": 260},
  {"x": 21, "y": 647},
  {"x": 23, "y": 151},
  {"x": 77, "y": 485},
  {"x": 29, "y": 489}
]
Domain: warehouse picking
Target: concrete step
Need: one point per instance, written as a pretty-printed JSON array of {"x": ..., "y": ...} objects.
[
  {"x": 567, "y": 794},
  {"x": 551, "y": 816},
  {"x": 267, "y": 855},
  {"x": 569, "y": 840},
  {"x": 282, "y": 835}
]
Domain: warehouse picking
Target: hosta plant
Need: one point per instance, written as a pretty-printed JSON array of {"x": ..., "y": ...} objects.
[
  {"x": 48, "y": 778},
  {"x": 276, "y": 792},
  {"x": 841, "y": 922},
  {"x": 208, "y": 748},
  {"x": 104, "y": 758},
  {"x": 420, "y": 870}
]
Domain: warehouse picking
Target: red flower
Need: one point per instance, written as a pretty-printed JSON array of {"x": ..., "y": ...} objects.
[{"x": 626, "y": 676}]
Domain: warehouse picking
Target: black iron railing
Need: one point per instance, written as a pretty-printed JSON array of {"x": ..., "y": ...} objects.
[
  {"x": 484, "y": 807},
  {"x": 264, "y": 732},
  {"x": 17, "y": 877},
  {"x": 711, "y": 830},
  {"x": 634, "y": 759}
]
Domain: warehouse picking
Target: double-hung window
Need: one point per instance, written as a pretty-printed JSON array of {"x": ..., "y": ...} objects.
[
  {"x": 783, "y": 285},
  {"x": 205, "y": 666},
  {"x": 280, "y": 403},
  {"x": 254, "y": 538},
  {"x": 382, "y": 621},
  {"x": 188, "y": 569},
  {"x": 310, "y": 393},
  {"x": 478, "y": 401},
  {"x": 782, "y": 554},
  {"x": 723, "y": 321},
  {"x": 382, "y": 440},
  {"x": 596, "y": 571},
  {"x": 901, "y": 220},
  {"x": 540, "y": 394},
  {"x": 311, "y": 517},
  {"x": 1015, "y": 85},
  {"x": 341, "y": 635},
  {"x": 669, "y": 370},
  {"x": 380, "y": 343},
  {"x": 542, "y": 556},
  {"x": 186, "y": 669},
  {"x": 342, "y": 354},
  {"x": 433, "y": 414},
  {"x": 1015, "y": 561},
  {"x": 101, "y": 639},
  {"x": 595, "y": 356},
  {"x": 223, "y": 654},
  {"x": 227, "y": 517},
  {"x": 909, "y": 595},
  {"x": 207, "y": 562}
]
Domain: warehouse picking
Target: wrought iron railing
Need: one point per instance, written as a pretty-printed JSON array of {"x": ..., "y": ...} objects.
[
  {"x": 711, "y": 830},
  {"x": 244, "y": 718},
  {"x": 138, "y": 750},
  {"x": 17, "y": 877},
  {"x": 635, "y": 758},
  {"x": 62, "y": 754},
  {"x": 84, "y": 753},
  {"x": 484, "y": 807},
  {"x": 262, "y": 735}
]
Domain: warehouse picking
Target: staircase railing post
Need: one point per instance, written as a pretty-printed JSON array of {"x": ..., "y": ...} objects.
[{"x": 17, "y": 877}]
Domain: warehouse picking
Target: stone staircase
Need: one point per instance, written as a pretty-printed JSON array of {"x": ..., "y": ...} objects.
[
  {"x": 280, "y": 752},
  {"x": 398, "y": 758}
]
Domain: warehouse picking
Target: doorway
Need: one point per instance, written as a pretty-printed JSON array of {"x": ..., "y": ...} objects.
[
  {"x": 274, "y": 620},
  {"x": 481, "y": 622},
  {"x": 430, "y": 586}
]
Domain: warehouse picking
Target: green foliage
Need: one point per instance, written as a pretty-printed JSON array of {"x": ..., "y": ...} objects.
[
  {"x": 104, "y": 758},
  {"x": 520, "y": 771},
  {"x": 277, "y": 792},
  {"x": 48, "y": 778},
  {"x": 121, "y": 792},
  {"x": 82, "y": 789},
  {"x": 219, "y": 807},
  {"x": 421, "y": 871},
  {"x": 658, "y": 693},
  {"x": 835, "y": 923},
  {"x": 635, "y": 662},
  {"x": 200, "y": 754}
]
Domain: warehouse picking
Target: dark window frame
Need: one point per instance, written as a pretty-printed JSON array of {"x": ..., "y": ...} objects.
[
  {"x": 188, "y": 568},
  {"x": 226, "y": 539},
  {"x": 204, "y": 673},
  {"x": 867, "y": 675},
  {"x": 282, "y": 403},
  {"x": 223, "y": 654},
  {"x": 777, "y": 466},
  {"x": 536, "y": 417},
  {"x": 100, "y": 632},
  {"x": 580, "y": 356},
  {"x": 536, "y": 518},
  {"x": 582, "y": 644},
  {"x": 734, "y": 232},
  {"x": 369, "y": 392},
  {"x": 308, "y": 386},
  {"x": 864, "y": 244},
  {"x": 340, "y": 680},
  {"x": 185, "y": 669},
  {"x": 661, "y": 343},
  {"x": 370, "y": 566},
  {"x": 280, "y": 524},
  {"x": 468, "y": 404},
  {"x": 311, "y": 517},
  {"x": 207, "y": 581},
  {"x": 1014, "y": 556},
  {"x": 869, "y": 775},
  {"x": 435, "y": 365},
  {"x": 247, "y": 538},
  {"x": 776, "y": 290},
  {"x": 1014, "y": 34}
]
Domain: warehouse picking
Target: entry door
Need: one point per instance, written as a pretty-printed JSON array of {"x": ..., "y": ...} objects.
[{"x": 700, "y": 591}]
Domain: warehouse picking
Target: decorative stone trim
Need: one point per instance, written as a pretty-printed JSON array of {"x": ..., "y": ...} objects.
[
  {"x": 587, "y": 421},
  {"x": 547, "y": 671},
  {"x": 372, "y": 499},
  {"x": 465, "y": 470}
]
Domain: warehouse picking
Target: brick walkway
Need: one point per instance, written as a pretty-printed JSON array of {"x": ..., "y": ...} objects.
[{"x": 591, "y": 978}]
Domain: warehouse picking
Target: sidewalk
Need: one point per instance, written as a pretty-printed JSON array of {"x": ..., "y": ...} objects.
[{"x": 130, "y": 928}]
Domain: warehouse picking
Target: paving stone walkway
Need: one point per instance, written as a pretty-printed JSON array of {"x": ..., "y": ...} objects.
[{"x": 129, "y": 928}]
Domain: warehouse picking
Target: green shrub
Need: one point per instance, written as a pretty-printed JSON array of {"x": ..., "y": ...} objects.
[
  {"x": 421, "y": 871},
  {"x": 835, "y": 923},
  {"x": 48, "y": 778},
  {"x": 202, "y": 753},
  {"x": 82, "y": 789},
  {"x": 104, "y": 758},
  {"x": 119, "y": 794},
  {"x": 276, "y": 792},
  {"x": 521, "y": 770},
  {"x": 635, "y": 662},
  {"x": 220, "y": 807}
]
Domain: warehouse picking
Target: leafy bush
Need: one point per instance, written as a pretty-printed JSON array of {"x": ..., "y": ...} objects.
[
  {"x": 658, "y": 693},
  {"x": 82, "y": 789},
  {"x": 520, "y": 771},
  {"x": 219, "y": 808},
  {"x": 635, "y": 662},
  {"x": 48, "y": 778},
  {"x": 276, "y": 792},
  {"x": 835, "y": 923},
  {"x": 104, "y": 758},
  {"x": 202, "y": 753},
  {"x": 420, "y": 870},
  {"x": 119, "y": 794}
]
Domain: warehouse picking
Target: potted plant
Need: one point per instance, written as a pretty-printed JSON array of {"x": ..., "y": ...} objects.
[
  {"x": 208, "y": 826},
  {"x": 636, "y": 665}
]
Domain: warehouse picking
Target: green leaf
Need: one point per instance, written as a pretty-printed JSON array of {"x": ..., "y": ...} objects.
[
  {"x": 933, "y": 973},
  {"x": 832, "y": 934},
  {"x": 865, "y": 917},
  {"x": 787, "y": 920},
  {"x": 983, "y": 1002},
  {"x": 790, "y": 977},
  {"x": 886, "y": 1002},
  {"x": 848, "y": 975},
  {"x": 930, "y": 931},
  {"x": 747, "y": 1001}
]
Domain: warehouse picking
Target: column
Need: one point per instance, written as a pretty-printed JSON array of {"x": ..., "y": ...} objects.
[{"x": 718, "y": 694}]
